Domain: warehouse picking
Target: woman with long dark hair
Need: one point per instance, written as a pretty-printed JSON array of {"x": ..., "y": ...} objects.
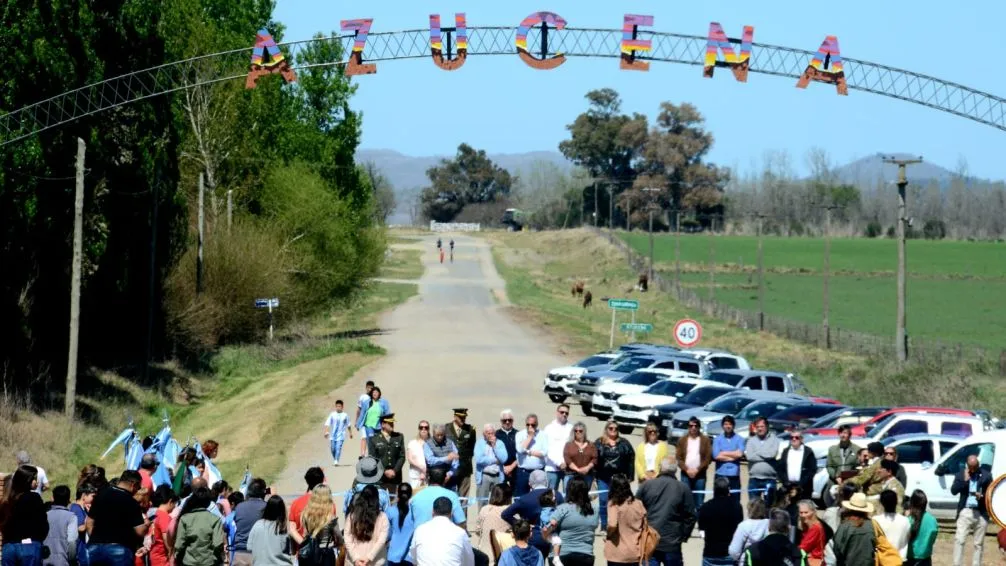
[
  {"x": 269, "y": 541},
  {"x": 402, "y": 527},
  {"x": 367, "y": 529},
  {"x": 615, "y": 455},
  {"x": 199, "y": 539},
  {"x": 576, "y": 521},
  {"x": 621, "y": 546},
  {"x": 23, "y": 518},
  {"x": 922, "y": 530}
]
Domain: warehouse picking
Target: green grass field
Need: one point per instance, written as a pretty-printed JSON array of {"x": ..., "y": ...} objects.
[{"x": 956, "y": 290}]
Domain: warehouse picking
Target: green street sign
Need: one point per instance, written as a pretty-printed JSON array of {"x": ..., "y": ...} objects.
[
  {"x": 636, "y": 327},
  {"x": 623, "y": 304}
]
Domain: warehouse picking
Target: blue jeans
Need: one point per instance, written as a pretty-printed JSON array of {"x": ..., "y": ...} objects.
[
  {"x": 727, "y": 561},
  {"x": 521, "y": 486},
  {"x": 110, "y": 555},
  {"x": 735, "y": 486},
  {"x": 602, "y": 502},
  {"x": 18, "y": 554},
  {"x": 666, "y": 558},
  {"x": 696, "y": 484},
  {"x": 755, "y": 484},
  {"x": 554, "y": 479},
  {"x": 589, "y": 480},
  {"x": 336, "y": 447}
]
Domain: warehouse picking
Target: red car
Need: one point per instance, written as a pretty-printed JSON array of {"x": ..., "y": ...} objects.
[{"x": 860, "y": 429}]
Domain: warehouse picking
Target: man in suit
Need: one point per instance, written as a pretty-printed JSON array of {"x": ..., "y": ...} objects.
[
  {"x": 798, "y": 465},
  {"x": 970, "y": 485},
  {"x": 388, "y": 446},
  {"x": 464, "y": 438},
  {"x": 842, "y": 457}
]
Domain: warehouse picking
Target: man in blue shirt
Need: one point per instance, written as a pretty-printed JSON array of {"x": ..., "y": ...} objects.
[
  {"x": 532, "y": 446},
  {"x": 728, "y": 449},
  {"x": 421, "y": 503}
]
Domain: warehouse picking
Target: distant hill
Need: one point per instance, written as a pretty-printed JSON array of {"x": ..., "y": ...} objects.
[
  {"x": 408, "y": 174},
  {"x": 868, "y": 170}
]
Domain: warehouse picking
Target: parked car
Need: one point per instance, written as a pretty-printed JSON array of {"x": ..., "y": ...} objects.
[
  {"x": 718, "y": 359},
  {"x": 603, "y": 401},
  {"x": 636, "y": 409},
  {"x": 799, "y": 415},
  {"x": 842, "y": 416},
  {"x": 696, "y": 398},
  {"x": 936, "y": 479},
  {"x": 763, "y": 408},
  {"x": 588, "y": 383},
  {"x": 915, "y": 451},
  {"x": 559, "y": 380},
  {"x": 860, "y": 429},
  {"x": 898, "y": 424},
  {"x": 638, "y": 346},
  {"x": 729, "y": 404},
  {"x": 756, "y": 380}
]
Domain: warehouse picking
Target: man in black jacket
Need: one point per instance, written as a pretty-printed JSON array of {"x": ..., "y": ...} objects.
[
  {"x": 972, "y": 516},
  {"x": 670, "y": 509},
  {"x": 507, "y": 434},
  {"x": 776, "y": 549},
  {"x": 798, "y": 465}
]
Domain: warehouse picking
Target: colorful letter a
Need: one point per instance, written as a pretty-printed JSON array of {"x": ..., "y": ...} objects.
[{"x": 264, "y": 43}]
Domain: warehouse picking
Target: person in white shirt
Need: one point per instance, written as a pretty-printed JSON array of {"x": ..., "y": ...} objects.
[
  {"x": 23, "y": 459},
  {"x": 415, "y": 455},
  {"x": 336, "y": 426},
  {"x": 439, "y": 542},
  {"x": 532, "y": 446},
  {"x": 797, "y": 466},
  {"x": 896, "y": 527},
  {"x": 557, "y": 433}
]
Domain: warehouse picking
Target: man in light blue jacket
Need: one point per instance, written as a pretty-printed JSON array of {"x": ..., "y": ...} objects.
[
  {"x": 532, "y": 446},
  {"x": 490, "y": 455}
]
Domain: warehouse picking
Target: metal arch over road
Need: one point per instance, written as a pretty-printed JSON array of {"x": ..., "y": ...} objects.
[{"x": 905, "y": 85}]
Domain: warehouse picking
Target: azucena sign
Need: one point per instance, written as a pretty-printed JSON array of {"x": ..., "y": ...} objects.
[{"x": 825, "y": 66}]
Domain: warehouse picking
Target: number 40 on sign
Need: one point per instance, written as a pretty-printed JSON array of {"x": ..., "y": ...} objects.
[{"x": 687, "y": 332}]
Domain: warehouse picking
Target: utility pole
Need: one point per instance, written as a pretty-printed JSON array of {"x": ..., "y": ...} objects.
[
  {"x": 201, "y": 228},
  {"x": 826, "y": 307},
  {"x": 230, "y": 209},
  {"x": 761, "y": 273},
  {"x": 900, "y": 336},
  {"x": 78, "y": 246},
  {"x": 652, "y": 192},
  {"x": 677, "y": 253},
  {"x": 628, "y": 215},
  {"x": 712, "y": 265},
  {"x": 595, "y": 204},
  {"x": 611, "y": 209}
]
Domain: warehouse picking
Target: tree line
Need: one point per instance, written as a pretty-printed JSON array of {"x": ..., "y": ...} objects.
[{"x": 306, "y": 224}]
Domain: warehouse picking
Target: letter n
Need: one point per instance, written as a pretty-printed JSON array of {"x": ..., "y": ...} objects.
[
  {"x": 717, "y": 41},
  {"x": 276, "y": 63},
  {"x": 631, "y": 42},
  {"x": 826, "y": 67},
  {"x": 441, "y": 59},
  {"x": 355, "y": 65}
]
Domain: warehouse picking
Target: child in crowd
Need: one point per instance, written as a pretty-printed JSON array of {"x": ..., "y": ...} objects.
[
  {"x": 336, "y": 426},
  {"x": 547, "y": 502}
]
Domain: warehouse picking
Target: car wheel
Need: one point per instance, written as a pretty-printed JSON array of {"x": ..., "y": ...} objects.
[
  {"x": 587, "y": 410},
  {"x": 556, "y": 398},
  {"x": 623, "y": 429}
]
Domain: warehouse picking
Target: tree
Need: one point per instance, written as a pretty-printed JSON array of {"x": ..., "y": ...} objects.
[
  {"x": 470, "y": 178},
  {"x": 384, "y": 194}
]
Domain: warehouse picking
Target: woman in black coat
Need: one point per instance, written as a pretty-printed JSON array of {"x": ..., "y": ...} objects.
[{"x": 23, "y": 518}]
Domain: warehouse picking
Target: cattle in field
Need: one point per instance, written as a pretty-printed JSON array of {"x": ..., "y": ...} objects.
[
  {"x": 644, "y": 282},
  {"x": 588, "y": 298},
  {"x": 577, "y": 289}
]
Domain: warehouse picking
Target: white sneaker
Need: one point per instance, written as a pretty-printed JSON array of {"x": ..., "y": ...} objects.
[
  {"x": 336, "y": 463},
  {"x": 702, "y": 534},
  {"x": 556, "y": 561}
]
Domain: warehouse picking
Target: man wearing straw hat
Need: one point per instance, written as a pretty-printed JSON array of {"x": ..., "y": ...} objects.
[
  {"x": 854, "y": 539},
  {"x": 388, "y": 446}
]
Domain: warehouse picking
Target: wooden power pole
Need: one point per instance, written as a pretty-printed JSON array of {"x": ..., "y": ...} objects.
[
  {"x": 230, "y": 210},
  {"x": 900, "y": 335},
  {"x": 201, "y": 228},
  {"x": 78, "y": 246},
  {"x": 826, "y": 304},
  {"x": 712, "y": 265},
  {"x": 761, "y": 273},
  {"x": 677, "y": 253}
]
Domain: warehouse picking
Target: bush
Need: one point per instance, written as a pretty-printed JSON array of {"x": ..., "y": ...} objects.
[
  {"x": 873, "y": 229},
  {"x": 890, "y": 232},
  {"x": 934, "y": 229}
]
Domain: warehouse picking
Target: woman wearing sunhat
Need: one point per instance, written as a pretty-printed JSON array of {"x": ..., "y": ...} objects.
[
  {"x": 369, "y": 471},
  {"x": 855, "y": 539}
]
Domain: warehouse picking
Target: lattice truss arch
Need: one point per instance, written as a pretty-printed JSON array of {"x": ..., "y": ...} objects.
[{"x": 905, "y": 85}]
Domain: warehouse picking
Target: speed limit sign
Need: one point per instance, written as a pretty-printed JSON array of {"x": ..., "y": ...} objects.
[{"x": 687, "y": 332}]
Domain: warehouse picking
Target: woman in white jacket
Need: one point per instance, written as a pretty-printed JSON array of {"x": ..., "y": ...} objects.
[{"x": 751, "y": 530}]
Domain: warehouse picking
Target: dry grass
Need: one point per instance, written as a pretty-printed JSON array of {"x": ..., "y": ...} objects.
[{"x": 403, "y": 262}]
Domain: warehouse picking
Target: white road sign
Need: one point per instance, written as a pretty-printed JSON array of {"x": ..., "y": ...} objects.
[{"x": 687, "y": 332}]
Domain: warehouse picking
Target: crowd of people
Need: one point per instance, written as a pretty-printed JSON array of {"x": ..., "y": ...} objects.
[{"x": 537, "y": 494}]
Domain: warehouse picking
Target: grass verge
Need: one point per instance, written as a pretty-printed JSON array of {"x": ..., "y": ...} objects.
[
  {"x": 540, "y": 268},
  {"x": 402, "y": 263}
]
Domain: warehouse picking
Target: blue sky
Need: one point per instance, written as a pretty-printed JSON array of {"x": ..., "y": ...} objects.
[{"x": 413, "y": 107}]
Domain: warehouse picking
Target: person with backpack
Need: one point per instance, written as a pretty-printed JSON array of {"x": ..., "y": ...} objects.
[{"x": 776, "y": 549}]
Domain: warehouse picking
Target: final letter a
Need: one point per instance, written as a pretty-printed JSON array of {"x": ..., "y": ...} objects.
[
  {"x": 545, "y": 19},
  {"x": 276, "y": 64},
  {"x": 826, "y": 67},
  {"x": 717, "y": 41},
  {"x": 631, "y": 43},
  {"x": 441, "y": 59},
  {"x": 355, "y": 65}
]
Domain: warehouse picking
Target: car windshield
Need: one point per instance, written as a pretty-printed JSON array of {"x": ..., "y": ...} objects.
[
  {"x": 829, "y": 420},
  {"x": 593, "y": 361},
  {"x": 730, "y": 379},
  {"x": 670, "y": 388},
  {"x": 632, "y": 364},
  {"x": 878, "y": 425},
  {"x": 730, "y": 405},
  {"x": 703, "y": 395},
  {"x": 641, "y": 378},
  {"x": 762, "y": 409},
  {"x": 801, "y": 412}
]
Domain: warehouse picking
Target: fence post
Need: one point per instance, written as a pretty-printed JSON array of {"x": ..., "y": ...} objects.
[{"x": 1002, "y": 363}]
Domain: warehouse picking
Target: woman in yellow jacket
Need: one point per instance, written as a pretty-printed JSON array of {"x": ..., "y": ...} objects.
[{"x": 650, "y": 453}]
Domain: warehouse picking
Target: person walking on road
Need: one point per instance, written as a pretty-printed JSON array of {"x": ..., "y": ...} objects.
[
  {"x": 557, "y": 434},
  {"x": 718, "y": 519},
  {"x": 728, "y": 449},
  {"x": 508, "y": 435},
  {"x": 388, "y": 446},
  {"x": 580, "y": 456},
  {"x": 776, "y": 549},
  {"x": 463, "y": 436},
  {"x": 614, "y": 456},
  {"x": 970, "y": 485},
  {"x": 441, "y": 454},
  {"x": 532, "y": 448},
  {"x": 361, "y": 416},
  {"x": 489, "y": 457},
  {"x": 670, "y": 510},
  {"x": 626, "y": 516},
  {"x": 336, "y": 428},
  {"x": 695, "y": 453},
  {"x": 760, "y": 451},
  {"x": 650, "y": 453},
  {"x": 415, "y": 454}
]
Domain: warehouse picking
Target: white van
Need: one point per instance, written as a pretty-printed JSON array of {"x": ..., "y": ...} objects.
[{"x": 935, "y": 479}]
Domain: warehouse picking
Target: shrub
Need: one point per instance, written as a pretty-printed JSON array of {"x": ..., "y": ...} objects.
[
  {"x": 873, "y": 229},
  {"x": 934, "y": 229},
  {"x": 890, "y": 232}
]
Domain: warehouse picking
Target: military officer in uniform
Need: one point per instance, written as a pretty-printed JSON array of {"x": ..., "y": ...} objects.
[
  {"x": 464, "y": 438},
  {"x": 388, "y": 446}
]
